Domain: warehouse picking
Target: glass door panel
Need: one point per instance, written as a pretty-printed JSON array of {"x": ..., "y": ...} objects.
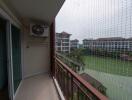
[
  {"x": 16, "y": 55},
  {"x": 3, "y": 62}
]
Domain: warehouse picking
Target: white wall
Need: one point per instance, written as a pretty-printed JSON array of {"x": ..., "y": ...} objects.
[
  {"x": 35, "y": 54},
  {"x": 35, "y": 51}
]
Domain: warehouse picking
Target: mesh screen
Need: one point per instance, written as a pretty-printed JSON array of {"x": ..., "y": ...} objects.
[{"x": 104, "y": 31}]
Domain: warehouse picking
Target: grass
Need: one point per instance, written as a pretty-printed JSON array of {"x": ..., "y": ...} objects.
[{"x": 109, "y": 65}]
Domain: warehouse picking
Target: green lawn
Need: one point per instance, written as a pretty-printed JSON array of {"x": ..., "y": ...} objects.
[{"x": 109, "y": 65}]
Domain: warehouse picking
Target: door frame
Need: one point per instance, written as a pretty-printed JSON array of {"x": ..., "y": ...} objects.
[
  {"x": 10, "y": 20},
  {"x": 10, "y": 60},
  {"x": 11, "y": 93}
]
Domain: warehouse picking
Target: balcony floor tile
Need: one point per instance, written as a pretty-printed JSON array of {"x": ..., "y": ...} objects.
[{"x": 39, "y": 87}]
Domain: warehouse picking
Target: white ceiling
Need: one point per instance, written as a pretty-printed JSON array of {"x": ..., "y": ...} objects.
[{"x": 42, "y": 10}]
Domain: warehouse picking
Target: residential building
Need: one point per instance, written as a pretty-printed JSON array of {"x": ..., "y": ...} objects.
[
  {"x": 74, "y": 44},
  {"x": 63, "y": 42},
  {"x": 109, "y": 44}
]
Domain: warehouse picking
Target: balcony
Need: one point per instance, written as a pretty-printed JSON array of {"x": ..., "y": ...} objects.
[
  {"x": 44, "y": 86},
  {"x": 32, "y": 71}
]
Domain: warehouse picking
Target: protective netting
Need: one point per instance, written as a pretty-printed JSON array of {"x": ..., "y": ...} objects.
[{"x": 105, "y": 26}]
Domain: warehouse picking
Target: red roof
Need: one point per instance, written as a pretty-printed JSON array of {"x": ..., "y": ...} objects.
[
  {"x": 111, "y": 38},
  {"x": 65, "y": 33}
]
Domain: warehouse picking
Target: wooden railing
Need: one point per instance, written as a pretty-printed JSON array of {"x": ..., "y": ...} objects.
[{"x": 73, "y": 86}]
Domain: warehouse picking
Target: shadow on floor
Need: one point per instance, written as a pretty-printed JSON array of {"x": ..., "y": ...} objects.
[{"x": 4, "y": 94}]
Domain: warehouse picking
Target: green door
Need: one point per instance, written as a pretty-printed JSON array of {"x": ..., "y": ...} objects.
[
  {"x": 16, "y": 55},
  {"x": 3, "y": 62}
]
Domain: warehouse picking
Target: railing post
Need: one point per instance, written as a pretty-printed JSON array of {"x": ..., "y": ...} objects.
[
  {"x": 52, "y": 48},
  {"x": 72, "y": 94}
]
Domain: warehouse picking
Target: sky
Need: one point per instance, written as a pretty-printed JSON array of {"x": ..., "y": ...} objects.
[{"x": 91, "y": 19}]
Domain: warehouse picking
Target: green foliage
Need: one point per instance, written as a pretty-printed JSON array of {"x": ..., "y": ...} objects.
[
  {"x": 130, "y": 53},
  {"x": 108, "y": 65},
  {"x": 101, "y": 52},
  {"x": 77, "y": 55}
]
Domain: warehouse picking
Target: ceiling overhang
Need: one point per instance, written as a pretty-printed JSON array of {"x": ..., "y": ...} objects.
[{"x": 41, "y": 10}]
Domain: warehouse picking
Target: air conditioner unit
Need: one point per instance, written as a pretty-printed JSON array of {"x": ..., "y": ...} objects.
[{"x": 39, "y": 30}]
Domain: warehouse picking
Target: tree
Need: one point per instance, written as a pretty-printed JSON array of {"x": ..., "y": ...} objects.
[{"x": 77, "y": 55}]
